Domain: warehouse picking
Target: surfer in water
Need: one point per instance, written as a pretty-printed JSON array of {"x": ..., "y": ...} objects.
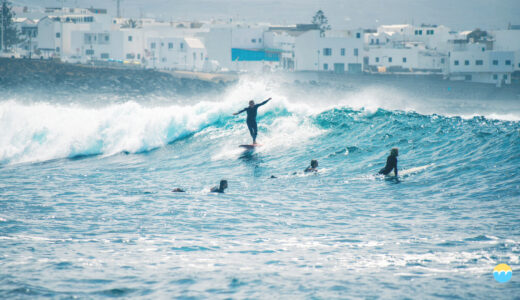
[
  {"x": 313, "y": 167},
  {"x": 251, "y": 117},
  {"x": 391, "y": 163},
  {"x": 220, "y": 189}
]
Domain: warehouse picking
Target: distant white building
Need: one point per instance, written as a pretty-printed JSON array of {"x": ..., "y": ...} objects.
[
  {"x": 434, "y": 37},
  {"x": 479, "y": 63},
  {"x": 508, "y": 40},
  {"x": 28, "y": 29},
  {"x": 408, "y": 48},
  {"x": 176, "y": 53},
  {"x": 407, "y": 57},
  {"x": 240, "y": 48},
  {"x": 303, "y": 48},
  {"x": 55, "y": 32},
  {"x": 125, "y": 44},
  {"x": 340, "y": 51}
]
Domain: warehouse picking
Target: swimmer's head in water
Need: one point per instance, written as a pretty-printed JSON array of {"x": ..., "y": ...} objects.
[
  {"x": 314, "y": 163},
  {"x": 223, "y": 184},
  {"x": 394, "y": 152},
  {"x": 251, "y": 103}
]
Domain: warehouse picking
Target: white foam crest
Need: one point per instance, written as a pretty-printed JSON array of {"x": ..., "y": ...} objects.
[
  {"x": 43, "y": 131},
  {"x": 494, "y": 116}
]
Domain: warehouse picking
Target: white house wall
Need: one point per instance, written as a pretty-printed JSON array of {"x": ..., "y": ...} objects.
[{"x": 218, "y": 46}]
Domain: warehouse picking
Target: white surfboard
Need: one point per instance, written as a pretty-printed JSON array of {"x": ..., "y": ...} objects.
[{"x": 415, "y": 170}]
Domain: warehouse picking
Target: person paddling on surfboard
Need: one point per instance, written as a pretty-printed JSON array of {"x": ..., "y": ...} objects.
[
  {"x": 313, "y": 167},
  {"x": 391, "y": 163},
  {"x": 221, "y": 188},
  {"x": 251, "y": 117}
]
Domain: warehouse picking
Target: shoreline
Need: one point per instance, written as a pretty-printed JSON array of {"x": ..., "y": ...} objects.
[{"x": 21, "y": 75}]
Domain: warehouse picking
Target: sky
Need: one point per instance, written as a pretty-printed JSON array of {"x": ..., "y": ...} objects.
[{"x": 342, "y": 14}]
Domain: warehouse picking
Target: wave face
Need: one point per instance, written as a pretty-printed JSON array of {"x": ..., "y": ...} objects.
[
  {"x": 41, "y": 130},
  {"x": 85, "y": 194}
]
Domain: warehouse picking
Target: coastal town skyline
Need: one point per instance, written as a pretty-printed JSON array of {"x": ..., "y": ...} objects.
[{"x": 458, "y": 15}]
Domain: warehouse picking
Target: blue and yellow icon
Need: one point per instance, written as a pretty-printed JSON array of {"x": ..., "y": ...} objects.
[{"x": 502, "y": 273}]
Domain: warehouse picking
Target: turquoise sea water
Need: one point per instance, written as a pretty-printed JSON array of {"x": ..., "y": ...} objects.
[{"x": 86, "y": 208}]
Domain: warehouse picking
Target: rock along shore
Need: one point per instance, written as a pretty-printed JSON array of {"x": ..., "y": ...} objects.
[{"x": 49, "y": 76}]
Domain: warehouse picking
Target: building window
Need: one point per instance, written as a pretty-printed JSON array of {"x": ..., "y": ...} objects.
[
  {"x": 88, "y": 38},
  {"x": 138, "y": 55},
  {"x": 130, "y": 38},
  {"x": 89, "y": 52},
  {"x": 253, "y": 40},
  {"x": 182, "y": 46},
  {"x": 57, "y": 49},
  {"x": 259, "y": 40},
  {"x": 377, "y": 59},
  {"x": 505, "y": 76},
  {"x": 456, "y": 63},
  {"x": 105, "y": 55},
  {"x": 495, "y": 76},
  {"x": 162, "y": 44},
  {"x": 194, "y": 56},
  {"x": 170, "y": 45},
  {"x": 443, "y": 60},
  {"x": 495, "y": 62},
  {"x": 508, "y": 62},
  {"x": 371, "y": 41},
  {"x": 163, "y": 59},
  {"x": 404, "y": 59},
  {"x": 377, "y": 41},
  {"x": 389, "y": 59},
  {"x": 201, "y": 56},
  {"x": 152, "y": 45},
  {"x": 420, "y": 32},
  {"x": 358, "y": 35},
  {"x": 356, "y": 52},
  {"x": 342, "y": 51},
  {"x": 479, "y": 62},
  {"x": 327, "y": 51},
  {"x": 466, "y": 62},
  {"x": 130, "y": 56},
  {"x": 58, "y": 35},
  {"x": 483, "y": 49},
  {"x": 325, "y": 67}
]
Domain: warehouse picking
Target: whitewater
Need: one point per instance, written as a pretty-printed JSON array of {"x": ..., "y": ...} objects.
[{"x": 86, "y": 208}]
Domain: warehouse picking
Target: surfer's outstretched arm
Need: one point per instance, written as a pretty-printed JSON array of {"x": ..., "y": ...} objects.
[
  {"x": 267, "y": 100},
  {"x": 240, "y": 111}
]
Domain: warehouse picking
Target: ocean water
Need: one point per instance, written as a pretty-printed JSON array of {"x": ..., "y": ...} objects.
[{"x": 86, "y": 208}]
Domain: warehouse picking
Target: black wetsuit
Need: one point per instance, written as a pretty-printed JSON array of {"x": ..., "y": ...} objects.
[
  {"x": 391, "y": 163},
  {"x": 251, "y": 118}
]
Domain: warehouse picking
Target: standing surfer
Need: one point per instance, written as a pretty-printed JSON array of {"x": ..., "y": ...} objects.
[{"x": 251, "y": 117}]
